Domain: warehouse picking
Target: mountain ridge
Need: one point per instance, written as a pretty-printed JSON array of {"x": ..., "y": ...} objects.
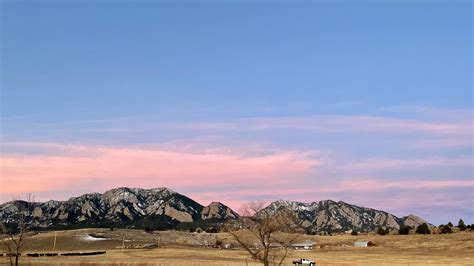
[{"x": 165, "y": 208}]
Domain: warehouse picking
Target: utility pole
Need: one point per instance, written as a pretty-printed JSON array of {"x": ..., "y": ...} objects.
[{"x": 55, "y": 237}]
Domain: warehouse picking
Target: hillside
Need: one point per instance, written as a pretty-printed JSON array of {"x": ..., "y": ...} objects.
[
  {"x": 331, "y": 216},
  {"x": 162, "y": 208}
]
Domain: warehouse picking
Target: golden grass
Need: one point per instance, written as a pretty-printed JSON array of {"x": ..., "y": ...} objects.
[{"x": 450, "y": 249}]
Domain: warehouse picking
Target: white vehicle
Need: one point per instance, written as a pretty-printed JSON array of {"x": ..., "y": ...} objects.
[{"x": 304, "y": 262}]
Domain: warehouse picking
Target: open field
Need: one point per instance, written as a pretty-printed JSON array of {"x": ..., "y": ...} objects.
[{"x": 179, "y": 248}]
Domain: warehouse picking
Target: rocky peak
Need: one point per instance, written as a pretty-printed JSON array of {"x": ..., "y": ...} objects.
[
  {"x": 217, "y": 210},
  {"x": 162, "y": 191},
  {"x": 413, "y": 221},
  {"x": 123, "y": 194},
  {"x": 283, "y": 204}
]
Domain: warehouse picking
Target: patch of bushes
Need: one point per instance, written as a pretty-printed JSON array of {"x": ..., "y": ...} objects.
[
  {"x": 446, "y": 229},
  {"x": 423, "y": 229}
]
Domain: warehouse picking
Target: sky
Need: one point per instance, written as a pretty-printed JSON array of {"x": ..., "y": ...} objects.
[{"x": 368, "y": 102}]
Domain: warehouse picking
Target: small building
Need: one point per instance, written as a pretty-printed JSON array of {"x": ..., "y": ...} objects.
[
  {"x": 307, "y": 245},
  {"x": 364, "y": 244}
]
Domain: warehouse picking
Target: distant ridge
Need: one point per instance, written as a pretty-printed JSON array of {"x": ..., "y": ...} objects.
[
  {"x": 163, "y": 208},
  {"x": 331, "y": 216}
]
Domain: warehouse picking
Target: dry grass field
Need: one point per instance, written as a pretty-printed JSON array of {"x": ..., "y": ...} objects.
[{"x": 179, "y": 248}]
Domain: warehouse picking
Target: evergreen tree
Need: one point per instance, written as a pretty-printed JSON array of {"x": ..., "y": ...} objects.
[
  {"x": 404, "y": 230},
  {"x": 461, "y": 225},
  {"x": 423, "y": 229}
]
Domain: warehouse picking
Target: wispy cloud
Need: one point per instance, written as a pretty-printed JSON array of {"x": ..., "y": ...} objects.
[
  {"x": 337, "y": 124},
  {"x": 386, "y": 163}
]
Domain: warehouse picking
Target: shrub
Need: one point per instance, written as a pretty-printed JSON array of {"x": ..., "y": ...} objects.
[
  {"x": 423, "y": 229},
  {"x": 354, "y": 233},
  {"x": 404, "y": 230},
  {"x": 446, "y": 230},
  {"x": 212, "y": 230},
  {"x": 450, "y": 224},
  {"x": 382, "y": 231},
  {"x": 219, "y": 243},
  {"x": 148, "y": 230}
]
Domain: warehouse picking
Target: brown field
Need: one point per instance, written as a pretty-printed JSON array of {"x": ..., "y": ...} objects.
[{"x": 179, "y": 248}]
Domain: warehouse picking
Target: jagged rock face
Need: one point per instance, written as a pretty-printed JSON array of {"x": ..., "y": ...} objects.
[
  {"x": 413, "y": 221},
  {"x": 114, "y": 206},
  {"x": 330, "y": 216},
  {"x": 217, "y": 210}
]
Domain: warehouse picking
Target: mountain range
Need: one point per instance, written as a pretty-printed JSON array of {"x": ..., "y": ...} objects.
[{"x": 162, "y": 208}]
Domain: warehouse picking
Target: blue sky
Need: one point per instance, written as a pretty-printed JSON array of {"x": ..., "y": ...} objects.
[{"x": 353, "y": 91}]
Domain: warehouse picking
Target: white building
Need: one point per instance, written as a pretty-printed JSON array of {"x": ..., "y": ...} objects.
[
  {"x": 364, "y": 244},
  {"x": 307, "y": 245}
]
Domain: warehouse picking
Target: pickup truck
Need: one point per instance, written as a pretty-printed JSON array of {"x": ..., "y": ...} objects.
[{"x": 304, "y": 262}]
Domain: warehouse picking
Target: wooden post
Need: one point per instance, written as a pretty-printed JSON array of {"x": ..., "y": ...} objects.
[
  {"x": 123, "y": 243},
  {"x": 55, "y": 237}
]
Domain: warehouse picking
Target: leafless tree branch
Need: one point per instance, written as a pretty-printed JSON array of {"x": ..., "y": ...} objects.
[
  {"x": 16, "y": 230},
  {"x": 266, "y": 230}
]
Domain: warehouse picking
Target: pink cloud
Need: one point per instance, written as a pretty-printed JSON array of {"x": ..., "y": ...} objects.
[{"x": 100, "y": 167}]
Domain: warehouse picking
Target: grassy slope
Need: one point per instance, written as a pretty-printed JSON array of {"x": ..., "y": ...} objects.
[{"x": 336, "y": 250}]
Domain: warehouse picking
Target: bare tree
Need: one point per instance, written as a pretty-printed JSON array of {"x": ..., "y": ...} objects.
[
  {"x": 15, "y": 228},
  {"x": 265, "y": 236}
]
